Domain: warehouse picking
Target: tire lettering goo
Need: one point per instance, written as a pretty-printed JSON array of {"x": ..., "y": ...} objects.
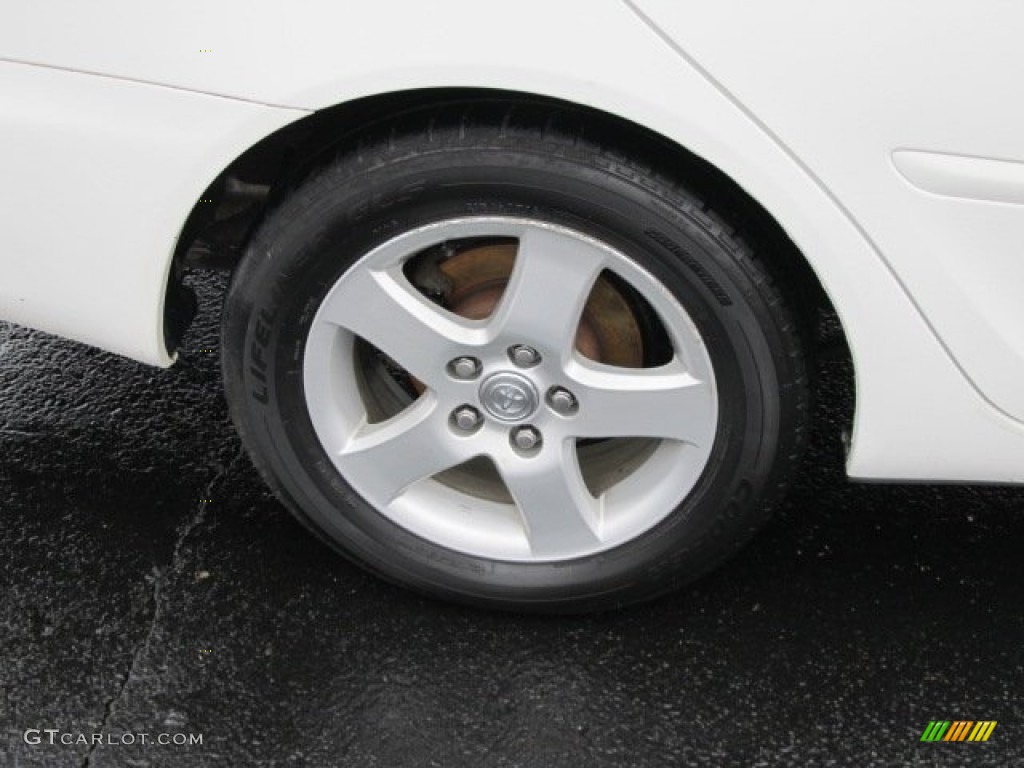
[{"x": 696, "y": 267}]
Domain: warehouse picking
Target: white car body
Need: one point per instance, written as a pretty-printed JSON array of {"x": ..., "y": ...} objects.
[{"x": 886, "y": 139}]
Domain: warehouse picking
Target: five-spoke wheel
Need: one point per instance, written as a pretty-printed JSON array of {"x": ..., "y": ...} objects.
[
  {"x": 498, "y": 363},
  {"x": 509, "y": 393}
]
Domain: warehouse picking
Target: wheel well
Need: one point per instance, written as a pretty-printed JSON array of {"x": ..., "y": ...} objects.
[{"x": 215, "y": 236}]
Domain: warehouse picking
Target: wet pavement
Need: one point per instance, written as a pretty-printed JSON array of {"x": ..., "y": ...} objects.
[{"x": 150, "y": 584}]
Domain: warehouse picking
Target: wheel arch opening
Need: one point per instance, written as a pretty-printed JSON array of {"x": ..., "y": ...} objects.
[{"x": 215, "y": 236}]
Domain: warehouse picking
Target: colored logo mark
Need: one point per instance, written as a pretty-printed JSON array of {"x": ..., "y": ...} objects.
[{"x": 958, "y": 730}]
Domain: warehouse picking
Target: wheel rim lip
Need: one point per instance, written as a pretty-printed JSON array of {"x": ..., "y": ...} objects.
[{"x": 654, "y": 490}]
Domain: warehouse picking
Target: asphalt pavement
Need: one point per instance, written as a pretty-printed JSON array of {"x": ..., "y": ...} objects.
[{"x": 150, "y": 584}]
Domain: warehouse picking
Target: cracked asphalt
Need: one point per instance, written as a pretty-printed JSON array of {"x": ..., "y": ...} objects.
[{"x": 150, "y": 584}]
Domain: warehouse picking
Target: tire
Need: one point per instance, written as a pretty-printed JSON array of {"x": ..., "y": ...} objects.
[{"x": 506, "y": 366}]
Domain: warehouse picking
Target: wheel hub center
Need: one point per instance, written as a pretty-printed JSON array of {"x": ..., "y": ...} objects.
[{"x": 509, "y": 396}]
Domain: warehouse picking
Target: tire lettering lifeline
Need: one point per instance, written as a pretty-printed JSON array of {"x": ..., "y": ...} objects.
[{"x": 257, "y": 355}]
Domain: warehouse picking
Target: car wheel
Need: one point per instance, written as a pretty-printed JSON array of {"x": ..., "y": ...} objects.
[{"x": 507, "y": 366}]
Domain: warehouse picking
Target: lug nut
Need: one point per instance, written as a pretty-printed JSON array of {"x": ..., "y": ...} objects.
[
  {"x": 524, "y": 356},
  {"x": 562, "y": 401},
  {"x": 464, "y": 367},
  {"x": 526, "y": 438},
  {"x": 466, "y": 418}
]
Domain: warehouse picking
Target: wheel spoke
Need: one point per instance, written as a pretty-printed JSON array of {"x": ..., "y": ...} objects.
[
  {"x": 382, "y": 308},
  {"x": 666, "y": 402},
  {"x": 386, "y": 458},
  {"x": 560, "y": 515},
  {"x": 551, "y": 280}
]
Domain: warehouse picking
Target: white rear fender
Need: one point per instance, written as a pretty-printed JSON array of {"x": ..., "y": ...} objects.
[
  {"x": 918, "y": 416},
  {"x": 98, "y": 178}
]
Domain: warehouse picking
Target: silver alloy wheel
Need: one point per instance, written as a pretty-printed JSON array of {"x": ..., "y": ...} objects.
[{"x": 552, "y": 505}]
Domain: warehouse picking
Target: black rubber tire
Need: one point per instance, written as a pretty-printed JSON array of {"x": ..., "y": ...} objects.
[{"x": 455, "y": 163}]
